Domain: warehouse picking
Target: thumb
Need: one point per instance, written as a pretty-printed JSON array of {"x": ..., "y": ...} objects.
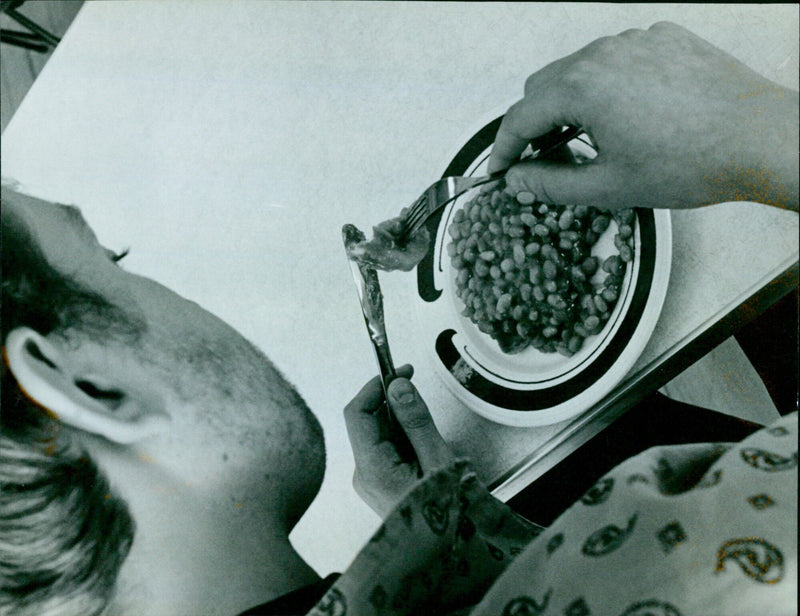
[
  {"x": 412, "y": 413},
  {"x": 560, "y": 183}
]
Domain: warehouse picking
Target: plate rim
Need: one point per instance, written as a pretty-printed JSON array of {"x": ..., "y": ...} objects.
[{"x": 621, "y": 364}]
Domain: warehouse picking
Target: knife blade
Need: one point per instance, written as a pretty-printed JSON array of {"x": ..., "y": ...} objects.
[{"x": 370, "y": 299}]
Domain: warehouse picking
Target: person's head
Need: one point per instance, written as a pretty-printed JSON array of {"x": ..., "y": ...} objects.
[{"x": 126, "y": 407}]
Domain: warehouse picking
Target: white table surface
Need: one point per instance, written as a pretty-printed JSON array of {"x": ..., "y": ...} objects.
[{"x": 227, "y": 142}]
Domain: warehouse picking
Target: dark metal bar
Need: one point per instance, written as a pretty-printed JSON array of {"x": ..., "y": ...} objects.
[{"x": 46, "y": 36}]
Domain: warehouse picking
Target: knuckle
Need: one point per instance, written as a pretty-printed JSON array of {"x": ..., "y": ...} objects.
[
  {"x": 416, "y": 421},
  {"x": 530, "y": 84},
  {"x": 350, "y": 408},
  {"x": 665, "y": 27},
  {"x": 632, "y": 33},
  {"x": 604, "y": 45},
  {"x": 579, "y": 77}
]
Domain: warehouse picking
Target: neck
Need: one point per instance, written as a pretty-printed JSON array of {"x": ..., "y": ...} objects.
[{"x": 201, "y": 551}]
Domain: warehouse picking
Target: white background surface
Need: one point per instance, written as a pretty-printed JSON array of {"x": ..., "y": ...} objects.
[{"x": 227, "y": 142}]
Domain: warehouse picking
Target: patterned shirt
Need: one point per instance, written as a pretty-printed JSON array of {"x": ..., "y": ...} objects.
[{"x": 700, "y": 529}]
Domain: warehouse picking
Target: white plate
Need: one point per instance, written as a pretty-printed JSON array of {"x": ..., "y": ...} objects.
[{"x": 532, "y": 388}]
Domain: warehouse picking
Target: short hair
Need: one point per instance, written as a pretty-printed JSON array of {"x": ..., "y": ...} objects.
[{"x": 64, "y": 534}]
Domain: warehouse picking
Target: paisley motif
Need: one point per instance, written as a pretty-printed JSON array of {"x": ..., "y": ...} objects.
[
  {"x": 761, "y": 501},
  {"x": 526, "y": 606},
  {"x": 555, "y": 543},
  {"x": 651, "y": 607},
  {"x": 671, "y": 536},
  {"x": 758, "y": 559},
  {"x": 608, "y": 538},
  {"x": 495, "y": 552},
  {"x": 378, "y": 596},
  {"x": 599, "y": 492},
  {"x": 577, "y": 608},
  {"x": 437, "y": 516},
  {"x": 332, "y": 604},
  {"x": 709, "y": 481},
  {"x": 767, "y": 461},
  {"x": 778, "y": 431}
]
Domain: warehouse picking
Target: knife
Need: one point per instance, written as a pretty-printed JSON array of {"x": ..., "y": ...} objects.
[{"x": 370, "y": 298}]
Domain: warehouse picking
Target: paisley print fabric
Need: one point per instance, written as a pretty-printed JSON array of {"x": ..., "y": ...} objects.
[{"x": 701, "y": 529}]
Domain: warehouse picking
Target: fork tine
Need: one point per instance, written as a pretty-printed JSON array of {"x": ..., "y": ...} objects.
[
  {"x": 415, "y": 215},
  {"x": 418, "y": 215}
]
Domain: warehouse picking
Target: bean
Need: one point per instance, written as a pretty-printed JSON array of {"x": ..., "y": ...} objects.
[
  {"x": 589, "y": 265},
  {"x": 549, "y": 331},
  {"x": 541, "y": 230},
  {"x": 526, "y": 198},
  {"x": 626, "y": 216},
  {"x": 612, "y": 265},
  {"x": 566, "y": 219},
  {"x": 600, "y": 303},
  {"x": 528, "y": 219},
  {"x": 575, "y": 343},
  {"x": 487, "y": 255},
  {"x": 548, "y": 252},
  {"x": 504, "y": 303},
  {"x": 625, "y": 231},
  {"x": 591, "y": 323},
  {"x": 610, "y": 294},
  {"x": 495, "y": 272},
  {"x": 550, "y": 270},
  {"x": 507, "y": 265},
  {"x": 581, "y": 211},
  {"x": 519, "y": 254},
  {"x": 532, "y": 248},
  {"x": 539, "y": 294},
  {"x": 551, "y": 286},
  {"x": 626, "y": 253},
  {"x": 600, "y": 224}
]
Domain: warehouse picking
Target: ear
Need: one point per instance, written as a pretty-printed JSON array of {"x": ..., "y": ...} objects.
[{"x": 92, "y": 402}]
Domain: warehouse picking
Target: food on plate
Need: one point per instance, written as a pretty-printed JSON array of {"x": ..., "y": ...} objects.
[
  {"x": 525, "y": 271},
  {"x": 388, "y": 249}
]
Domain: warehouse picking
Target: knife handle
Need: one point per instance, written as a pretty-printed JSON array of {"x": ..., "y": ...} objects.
[{"x": 388, "y": 427}]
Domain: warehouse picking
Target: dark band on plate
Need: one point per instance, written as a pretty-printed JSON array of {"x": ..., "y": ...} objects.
[{"x": 463, "y": 159}]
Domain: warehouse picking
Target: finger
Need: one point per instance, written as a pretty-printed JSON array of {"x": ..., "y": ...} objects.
[
  {"x": 557, "y": 183},
  {"x": 533, "y": 116},
  {"x": 359, "y": 414},
  {"x": 412, "y": 413}
]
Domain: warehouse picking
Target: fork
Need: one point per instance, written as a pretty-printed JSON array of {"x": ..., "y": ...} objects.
[{"x": 443, "y": 191}]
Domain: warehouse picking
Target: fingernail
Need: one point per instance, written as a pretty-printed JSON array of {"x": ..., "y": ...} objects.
[{"x": 402, "y": 391}]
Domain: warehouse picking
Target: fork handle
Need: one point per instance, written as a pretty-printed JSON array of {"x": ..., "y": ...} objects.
[
  {"x": 553, "y": 139},
  {"x": 540, "y": 145}
]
